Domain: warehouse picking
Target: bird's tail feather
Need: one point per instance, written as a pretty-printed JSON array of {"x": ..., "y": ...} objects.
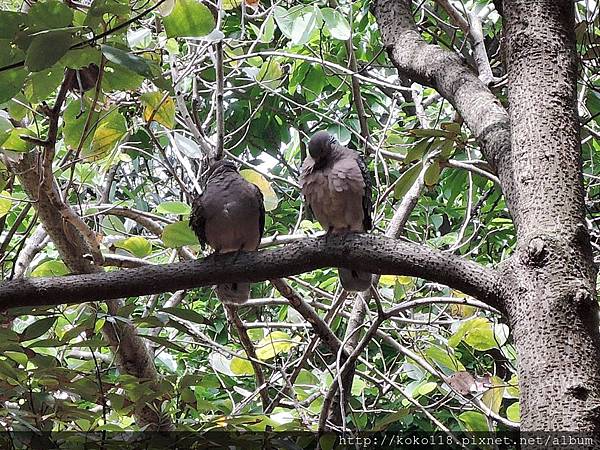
[
  {"x": 354, "y": 280},
  {"x": 236, "y": 293}
]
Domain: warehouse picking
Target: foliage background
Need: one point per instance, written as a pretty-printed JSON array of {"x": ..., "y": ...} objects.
[{"x": 131, "y": 167}]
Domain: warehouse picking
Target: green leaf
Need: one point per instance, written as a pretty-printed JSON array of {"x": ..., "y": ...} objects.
[
  {"x": 159, "y": 107},
  {"x": 186, "y": 314},
  {"x": 189, "y": 18},
  {"x": 131, "y": 62},
  {"x": 474, "y": 421},
  {"x": 74, "y": 124},
  {"x": 285, "y": 18},
  {"x": 81, "y": 57},
  {"x": 11, "y": 81},
  {"x": 432, "y": 174},
  {"x": 5, "y": 203},
  {"x": 46, "y": 49},
  {"x": 336, "y": 24},
  {"x": 178, "y": 208},
  {"x": 118, "y": 78},
  {"x": 52, "y": 268},
  {"x": 164, "y": 342},
  {"x": 358, "y": 386},
  {"x": 513, "y": 389},
  {"x": 18, "y": 357},
  {"x": 136, "y": 245},
  {"x": 41, "y": 84},
  {"x": 477, "y": 333},
  {"x": 14, "y": 143},
  {"x": 407, "y": 179},
  {"x": 443, "y": 359},
  {"x": 37, "y": 328},
  {"x": 10, "y": 23},
  {"x": 270, "y": 74},
  {"x": 6, "y": 128},
  {"x": 269, "y": 196},
  {"x": 513, "y": 412},
  {"x": 306, "y": 22},
  {"x": 178, "y": 234},
  {"x": 50, "y": 14}
]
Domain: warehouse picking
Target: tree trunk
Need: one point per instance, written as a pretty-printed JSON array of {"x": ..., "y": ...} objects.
[
  {"x": 548, "y": 285},
  {"x": 550, "y": 279}
]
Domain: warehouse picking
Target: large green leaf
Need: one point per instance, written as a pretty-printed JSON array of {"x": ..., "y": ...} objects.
[
  {"x": 128, "y": 60},
  {"x": 189, "y": 18},
  {"x": 46, "y": 49},
  {"x": 336, "y": 24},
  {"x": 178, "y": 234},
  {"x": 37, "y": 328},
  {"x": 11, "y": 81},
  {"x": 49, "y": 14},
  {"x": 74, "y": 124},
  {"x": 171, "y": 207},
  {"x": 10, "y": 23},
  {"x": 14, "y": 143},
  {"x": 41, "y": 84}
]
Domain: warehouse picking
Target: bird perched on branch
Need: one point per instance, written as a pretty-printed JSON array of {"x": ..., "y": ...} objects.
[
  {"x": 337, "y": 186},
  {"x": 229, "y": 216}
]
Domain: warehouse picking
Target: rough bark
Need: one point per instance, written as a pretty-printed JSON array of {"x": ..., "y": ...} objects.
[
  {"x": 550, "y": 280},
  {"x": 371, "y": 253},
  {"x": 132, "y": 354},
  {"x": 552, "y": 309}
]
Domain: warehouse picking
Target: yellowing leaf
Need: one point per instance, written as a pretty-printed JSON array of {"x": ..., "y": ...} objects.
[
  {"x": 477, "y": 333},
  {"x": 270, "y": 74},
  {"x": 159, "y": 110},
  {"x": 492, "y": 398},
  {"x": 5, "y": 203},
  {"x": 270, "y": 197},
  {"x": 106, "y": 136},
  {"x": 52, "y": 268},
  {"x": 513, "y": 387},
  {"x": 273, "y": 344},
  {"x": 136, "y": 245},
  {"x": 388, "y": 280},
  {"x": 241, "y": 366},
  {"x": 231, "y": 4},
  {"x": 513, "y": 412},
  {"x": 426, "y": 388}
]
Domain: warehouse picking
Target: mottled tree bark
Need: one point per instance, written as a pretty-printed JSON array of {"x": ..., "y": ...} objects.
[
  {"x": 552, "y": 307},
  {"x": 133, "y": 357},
  {"x": 549, "y": 283}
]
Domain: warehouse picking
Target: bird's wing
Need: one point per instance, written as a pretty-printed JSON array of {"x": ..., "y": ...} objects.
[
  {"x": 198, "y": 219},
  {"x": 368, "y": 192},
  {"x": 261, "y": 210}
]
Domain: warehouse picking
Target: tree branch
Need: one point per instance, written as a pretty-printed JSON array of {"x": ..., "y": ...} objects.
[
  {"x": 443, "y": 70},
  {"x": 370, "y": 253}
]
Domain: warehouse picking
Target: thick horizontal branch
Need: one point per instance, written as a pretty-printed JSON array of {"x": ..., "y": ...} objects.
[{"x": 372, "y": 253}]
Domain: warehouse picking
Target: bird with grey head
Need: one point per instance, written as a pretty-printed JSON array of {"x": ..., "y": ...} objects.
[
  {"x": 229, "y": 216},
  {"x": 337, "y": 186}
]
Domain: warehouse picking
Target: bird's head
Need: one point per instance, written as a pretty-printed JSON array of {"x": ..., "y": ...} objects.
[
  {"x": 320, "y": 144},
  {"x": 221, "y": 166}
]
